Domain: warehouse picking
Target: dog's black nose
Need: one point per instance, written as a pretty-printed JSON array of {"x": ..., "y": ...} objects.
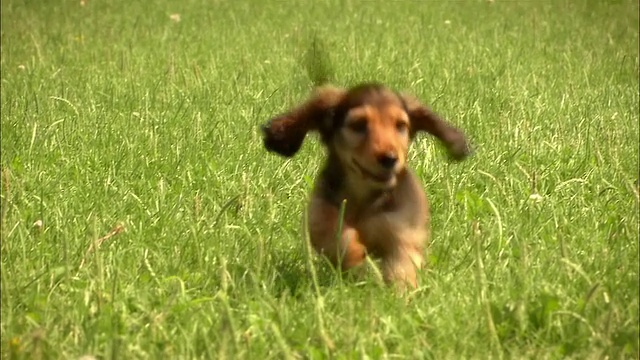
[{"x": 388, "y": 160}]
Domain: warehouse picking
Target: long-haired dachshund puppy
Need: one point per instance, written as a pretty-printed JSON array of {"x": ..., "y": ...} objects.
[{"x": 366, "y": 130}]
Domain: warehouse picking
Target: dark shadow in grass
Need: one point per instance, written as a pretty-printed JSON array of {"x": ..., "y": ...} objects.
[
  {"x": 543, "y": 315},
  {"x": 295, "y": 277},
  {"x": 291, "y": 276}
]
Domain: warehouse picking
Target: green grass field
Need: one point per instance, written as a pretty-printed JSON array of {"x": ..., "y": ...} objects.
[{"x": 117, "y": 116}]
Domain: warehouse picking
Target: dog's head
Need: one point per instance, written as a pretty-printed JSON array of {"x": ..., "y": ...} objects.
[{"x": 368, "y": 127}]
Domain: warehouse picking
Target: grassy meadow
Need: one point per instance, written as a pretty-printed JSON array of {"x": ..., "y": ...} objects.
[{"x": 143, "y": 219}]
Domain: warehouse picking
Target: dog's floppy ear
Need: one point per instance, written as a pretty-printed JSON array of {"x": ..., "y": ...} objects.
[
  {"x": 424, "y": 119},
  {"x": 285, "y": 133}
]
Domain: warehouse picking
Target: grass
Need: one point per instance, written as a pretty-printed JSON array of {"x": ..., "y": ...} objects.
[{"x": 116, "y": 117}]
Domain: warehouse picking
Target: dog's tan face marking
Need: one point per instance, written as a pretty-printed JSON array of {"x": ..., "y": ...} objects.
[{"x": 373, "y": 142}]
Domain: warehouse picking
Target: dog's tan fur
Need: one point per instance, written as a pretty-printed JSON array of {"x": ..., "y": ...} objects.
[{"x": 367, "y": 130}]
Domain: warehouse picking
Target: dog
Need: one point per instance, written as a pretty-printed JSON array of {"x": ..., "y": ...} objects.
[{"x": 365, "y": 190}]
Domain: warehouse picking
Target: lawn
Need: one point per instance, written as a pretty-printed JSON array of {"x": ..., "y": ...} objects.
[{"x": 142, "y": 217}]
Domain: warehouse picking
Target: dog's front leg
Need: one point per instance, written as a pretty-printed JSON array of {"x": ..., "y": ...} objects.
[
  {"x": 344, "y": 250},
  {"x": 399, "y": 267}
]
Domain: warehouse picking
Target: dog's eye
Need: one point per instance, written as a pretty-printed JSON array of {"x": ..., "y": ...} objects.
[
  {"x": 358, "y": 126},
  {"x": 402, "y": 127}
]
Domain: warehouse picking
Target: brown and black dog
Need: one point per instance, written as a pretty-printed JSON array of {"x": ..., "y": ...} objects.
[{"x": 366, "y": 130}]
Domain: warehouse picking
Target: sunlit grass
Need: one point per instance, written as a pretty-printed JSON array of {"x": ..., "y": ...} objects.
[{"x": 141, "y": 216}]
